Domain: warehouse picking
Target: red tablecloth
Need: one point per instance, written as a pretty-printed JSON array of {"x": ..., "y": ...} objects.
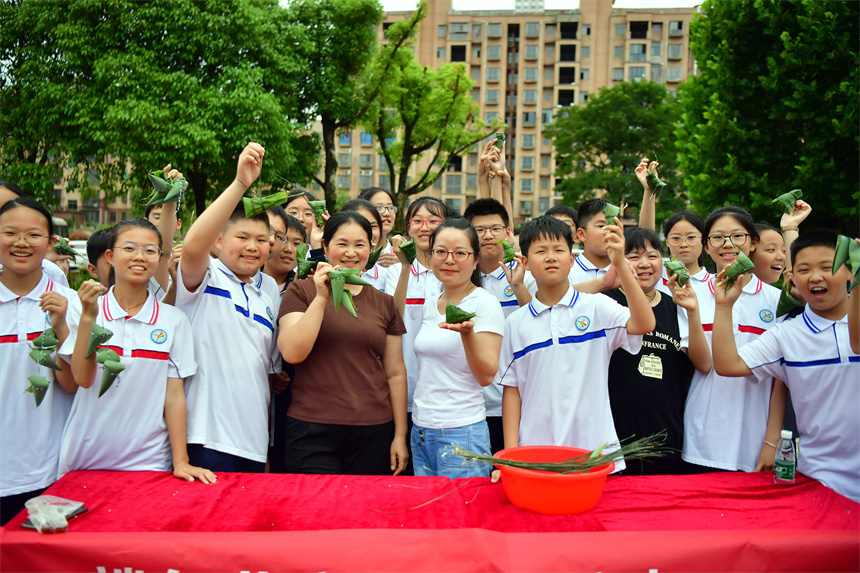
[{"x": 262, "y": 522}]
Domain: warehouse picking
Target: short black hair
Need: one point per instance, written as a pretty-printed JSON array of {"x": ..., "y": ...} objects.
[
  {"x": 486, "y": 206},
  {"x": 13, "y": 188},
  {"x": 636, "y": 238},
  {"x": 762, "y": 227},
  {"x": 565, "y": 211},
  {"x": 290, "y": 222},
  {"x": 814, "y": 238},
  {"x": 544, "y": 226},
  {"x": 589, "y": 209},
  {"x": 296, "y": 193},
  {"x": 357, "y": 204},
  {"x": 238, "y": 214},
  {"x": 434, "y": 205},
  {"x": 30, "y": 204},
  {"x": 367, "y": 194},
  {"x": 684, "y": 215},
  {"x": 464, "y": 225},
  {"x": 342, "y": 218},
  {"x": 742, "y": 216},
  {"x": 148, "y": 209},
  {"x": 97, "y": 244}
]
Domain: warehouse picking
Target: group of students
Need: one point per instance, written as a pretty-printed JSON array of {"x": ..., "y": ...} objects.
[{"x": 233, "y": 364}]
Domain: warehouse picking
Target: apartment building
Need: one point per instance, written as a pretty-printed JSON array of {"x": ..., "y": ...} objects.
[{"x": 527, "y": 63}]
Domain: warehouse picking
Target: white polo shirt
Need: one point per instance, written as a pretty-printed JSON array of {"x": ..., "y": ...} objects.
[
  {"x": 699, "y": 281},
  {"x": 228, "y": 397},
  {"x": 447, "y": 394},
  {"x": 725, "y": 418},
  {"x": 53, "y": 272},
  {"x": 584, "y": 270},
  {"x": 422, "y": 285},
  {"x": 558, "y": 359},
  {"x": 496, "y": 283},
  {"x": 813, "y": 356},
  {"x": 29, "y": 436},
  {"x": 125, "y": 429},
  {"x": 377, "y": 276}
]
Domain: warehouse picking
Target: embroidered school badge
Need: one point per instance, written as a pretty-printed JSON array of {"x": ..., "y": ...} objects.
[
  {"x": 765, "y": 315},
  {"x": 158, "y": 336},
  {"x": 509, "y": 290},
  {"x": 583, "y": 322},
  {"x": 269, "y": 312}
]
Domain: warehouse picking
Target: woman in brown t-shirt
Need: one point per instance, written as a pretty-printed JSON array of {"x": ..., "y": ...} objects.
[{"x": 348, "y": 414}]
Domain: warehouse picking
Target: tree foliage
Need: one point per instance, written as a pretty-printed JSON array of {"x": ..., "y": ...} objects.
[
  {"x": 421, "y": 111},
  {"x": 599, "y": 145},
  {"x": 122, "y": 84},
  {"x": 774, "y": 108}
]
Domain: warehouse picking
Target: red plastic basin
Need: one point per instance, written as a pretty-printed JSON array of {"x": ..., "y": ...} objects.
[{"x": 549, "y": 492}]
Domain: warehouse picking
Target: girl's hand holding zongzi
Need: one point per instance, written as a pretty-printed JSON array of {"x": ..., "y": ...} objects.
[{"x": 89, "y": 293}]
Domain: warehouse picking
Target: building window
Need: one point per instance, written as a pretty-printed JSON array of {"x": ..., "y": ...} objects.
[
  {"x": 676, "y": 28},
  {"x": 586, "y": 52},
  {"x": 528, "y": 141},
  {"x": 547, "y": 96},
  {"x": 673, "y": 74},
  {"x": 673, "y": 93},
  {"x": 438, "y": 183},
  {"x": 440, "y": 53},
  {"x": 567, "y": 53},
  {"x": 530, "y": 74},
  {"x": 636, "y": 73},
  {"x": 527, "y": 185},
  {"x": 476, "y": 52},
  {"x": 676, "y": 51},
  {"x": 543, "y": 202},
  {"x": 72, "y": 205},
  {"x": 441, "y": 31},
  {"x": 544, "y": 161},
  {"x": 525, "y": 208},
  {"x": 532, "y": 29},
  {"x": 343, "y": 181},
  {"x": 476, "y": 95},
  {"x": 366, "y": 138},
  {"x": 617, "y": 74},
  {"x": 472, "y": 179},
  {"x": 365, "y": 181},
  {"x": 619, "y": 29},
  {"x": 454, "y": 204},
  {"x": 492, "y": 96},
  {"x": 568, "y": 30},
  {"x": 528, "y": 163},
  {"x": 657, "y": 73},
  {"x": 657, "y": 29},
  {"x": 494, "y": 52},
  {"x": 546, "y": 116},
  {"x": 458, "y": 53},
  {"x": 384, "y": 182},
  {"x": 491, "y": 115},
  {"x": 492, "y": 74},
  {"x": 453, "y": 183},
  {"x": 619, "y": 52},
  {"x": 547, "y": 73},
  {"x": 531, "y": 52},
  {"x": 656, "y": 48},
  {"x": 586, "y": 29},
  {"x": 583, "y": 96},
  {"x": 567, "y": 75},
  {"x": 550, "y": 52},
  {"x": 494, "y": 30},
  {"x": 583, "y": 74},
  {"x": 365, "y": 160},
  {"x": 477, "y": 32},
  {"x": 344, "y": 138},
  {"x": 459, "y": 32},
  {"x": 550, "y": 29},
  {"x": 529, "y": 97},
  {"x": 455, "y": 163},
  {"x": 637, "y": 52},
  {"x": 565, "y": 97},
  {"x": 529, "y": 118},
  {"x": 476, "y": 74},
  {"x": 343, "y": 160},
  {"x": 638, "y": 30}
]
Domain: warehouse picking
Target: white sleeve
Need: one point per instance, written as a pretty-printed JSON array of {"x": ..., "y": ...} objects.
[
  {"x": 186, "y": 299},
  {"x": 507, "y": 375},
  {"x": 181, "y": 363},
  {"x": 764, "y": 356},
  {"x": 684, "y": 329},
  {"x": 613, "y": 318},
  {"x": 491, "y": 317},
  {"x": 73, "y": 321},
  {"x": 391, "y": 277}
]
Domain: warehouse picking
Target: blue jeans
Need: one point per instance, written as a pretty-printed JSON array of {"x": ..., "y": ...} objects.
[{"x": 431, "y": 454}]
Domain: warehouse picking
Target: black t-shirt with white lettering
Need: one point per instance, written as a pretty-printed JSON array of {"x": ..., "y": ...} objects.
[{"x": 647, "y": 391}]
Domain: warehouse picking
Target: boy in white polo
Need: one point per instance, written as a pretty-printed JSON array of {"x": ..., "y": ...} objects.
[
  {"x": 594, "y": 261},
  {"x": 813, "y": 355},
  {"x": 231, "y": 304},
  {"x": 555, "y": 353}
]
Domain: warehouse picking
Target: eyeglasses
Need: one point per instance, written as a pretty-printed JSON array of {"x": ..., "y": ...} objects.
[
  {"x": 129, "y": 250},
  {"x": 279, "y": 236},
  {"x": 32, "y": 239},
  {"x": 736, "y": 239},
  {"x": 302, "y": 214},
  {"x": 676, "y": 240},
  {"x": 384, "y": 208},
  {"x": 431, "y": 224},
  {"x": 496, "y": 230},
  {"x": 442, "y": 254}
]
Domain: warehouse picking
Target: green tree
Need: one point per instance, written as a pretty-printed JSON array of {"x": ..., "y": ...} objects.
[
  {"x": 421, "y": 111},
  {"x": 336, "y": 40},
  {"x": 774, "y": 108},
  {"x": 143, "y": 84},
  {"x": 599, "y": 145}
]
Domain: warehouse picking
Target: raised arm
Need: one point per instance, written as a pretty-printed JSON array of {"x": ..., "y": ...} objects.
[
  {"x": 648, "y": 210},
  {"x": 83, "y": 368},
  {"x": 727, "y": 361},
  {"x": 789, "y": 224},
  {"x": 699, "y": 351},
  {"x": 641, "y": 316},
  {"x": 204, "y": 231}
]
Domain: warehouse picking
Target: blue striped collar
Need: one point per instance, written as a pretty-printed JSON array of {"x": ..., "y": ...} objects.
[
  {"x": 501, "y": 274},
  {"x": 569, "y": 299},
  {"x": 817, "y": 323},
  {"x": 256, "y": 280},
  {"x": 586, "y": 265}
]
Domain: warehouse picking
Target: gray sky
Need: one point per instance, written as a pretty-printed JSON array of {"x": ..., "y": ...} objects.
[{"x": 400, "y": 5}]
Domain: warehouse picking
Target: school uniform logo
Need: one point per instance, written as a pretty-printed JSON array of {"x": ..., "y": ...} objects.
[
  {"x": 583, "y": 322},
  {"x": 158, "y": 336},
  {"x": 269, "y": 312},
  {"x": 765, "y": 315},
  {"x": 509, "y": 290}
]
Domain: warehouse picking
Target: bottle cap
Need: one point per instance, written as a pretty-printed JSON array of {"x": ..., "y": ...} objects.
[{"x": 785, "y": 434}]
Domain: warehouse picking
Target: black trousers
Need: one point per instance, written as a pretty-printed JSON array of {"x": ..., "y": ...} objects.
[
  {"x": 12, "y": 505},
  {"x": 312, "y": 448}
]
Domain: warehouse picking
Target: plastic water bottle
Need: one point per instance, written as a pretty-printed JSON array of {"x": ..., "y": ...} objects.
[{"x": 786, "y": 461}]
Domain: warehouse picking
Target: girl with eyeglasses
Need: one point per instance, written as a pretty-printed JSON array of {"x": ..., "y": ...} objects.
[
  {"x": 377, "y": 274},
  {"x": 383, "y": 202},
  {"x": 137, "y": 423},
  {"x": 297, "y": 206},
  {"x": 684, "y": 232},
  {"x": 30, "y": 302},
  {"x": 734, "y": 423},
  {"x": 455, "y": 361}
]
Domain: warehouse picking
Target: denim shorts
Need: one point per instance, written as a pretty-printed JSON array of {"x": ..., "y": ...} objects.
[{"x": 431, "y": 455}]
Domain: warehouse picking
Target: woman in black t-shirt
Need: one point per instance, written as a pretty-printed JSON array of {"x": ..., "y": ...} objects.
[{"x": 647, "y": 391}]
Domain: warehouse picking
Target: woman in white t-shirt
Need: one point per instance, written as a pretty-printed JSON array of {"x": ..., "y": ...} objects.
[{"x": 455, "y": 361}]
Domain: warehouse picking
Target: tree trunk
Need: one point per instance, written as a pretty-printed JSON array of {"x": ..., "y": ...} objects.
[
  {"x": 330, "y": 168},
  {"x": 197, "y": 183}
]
